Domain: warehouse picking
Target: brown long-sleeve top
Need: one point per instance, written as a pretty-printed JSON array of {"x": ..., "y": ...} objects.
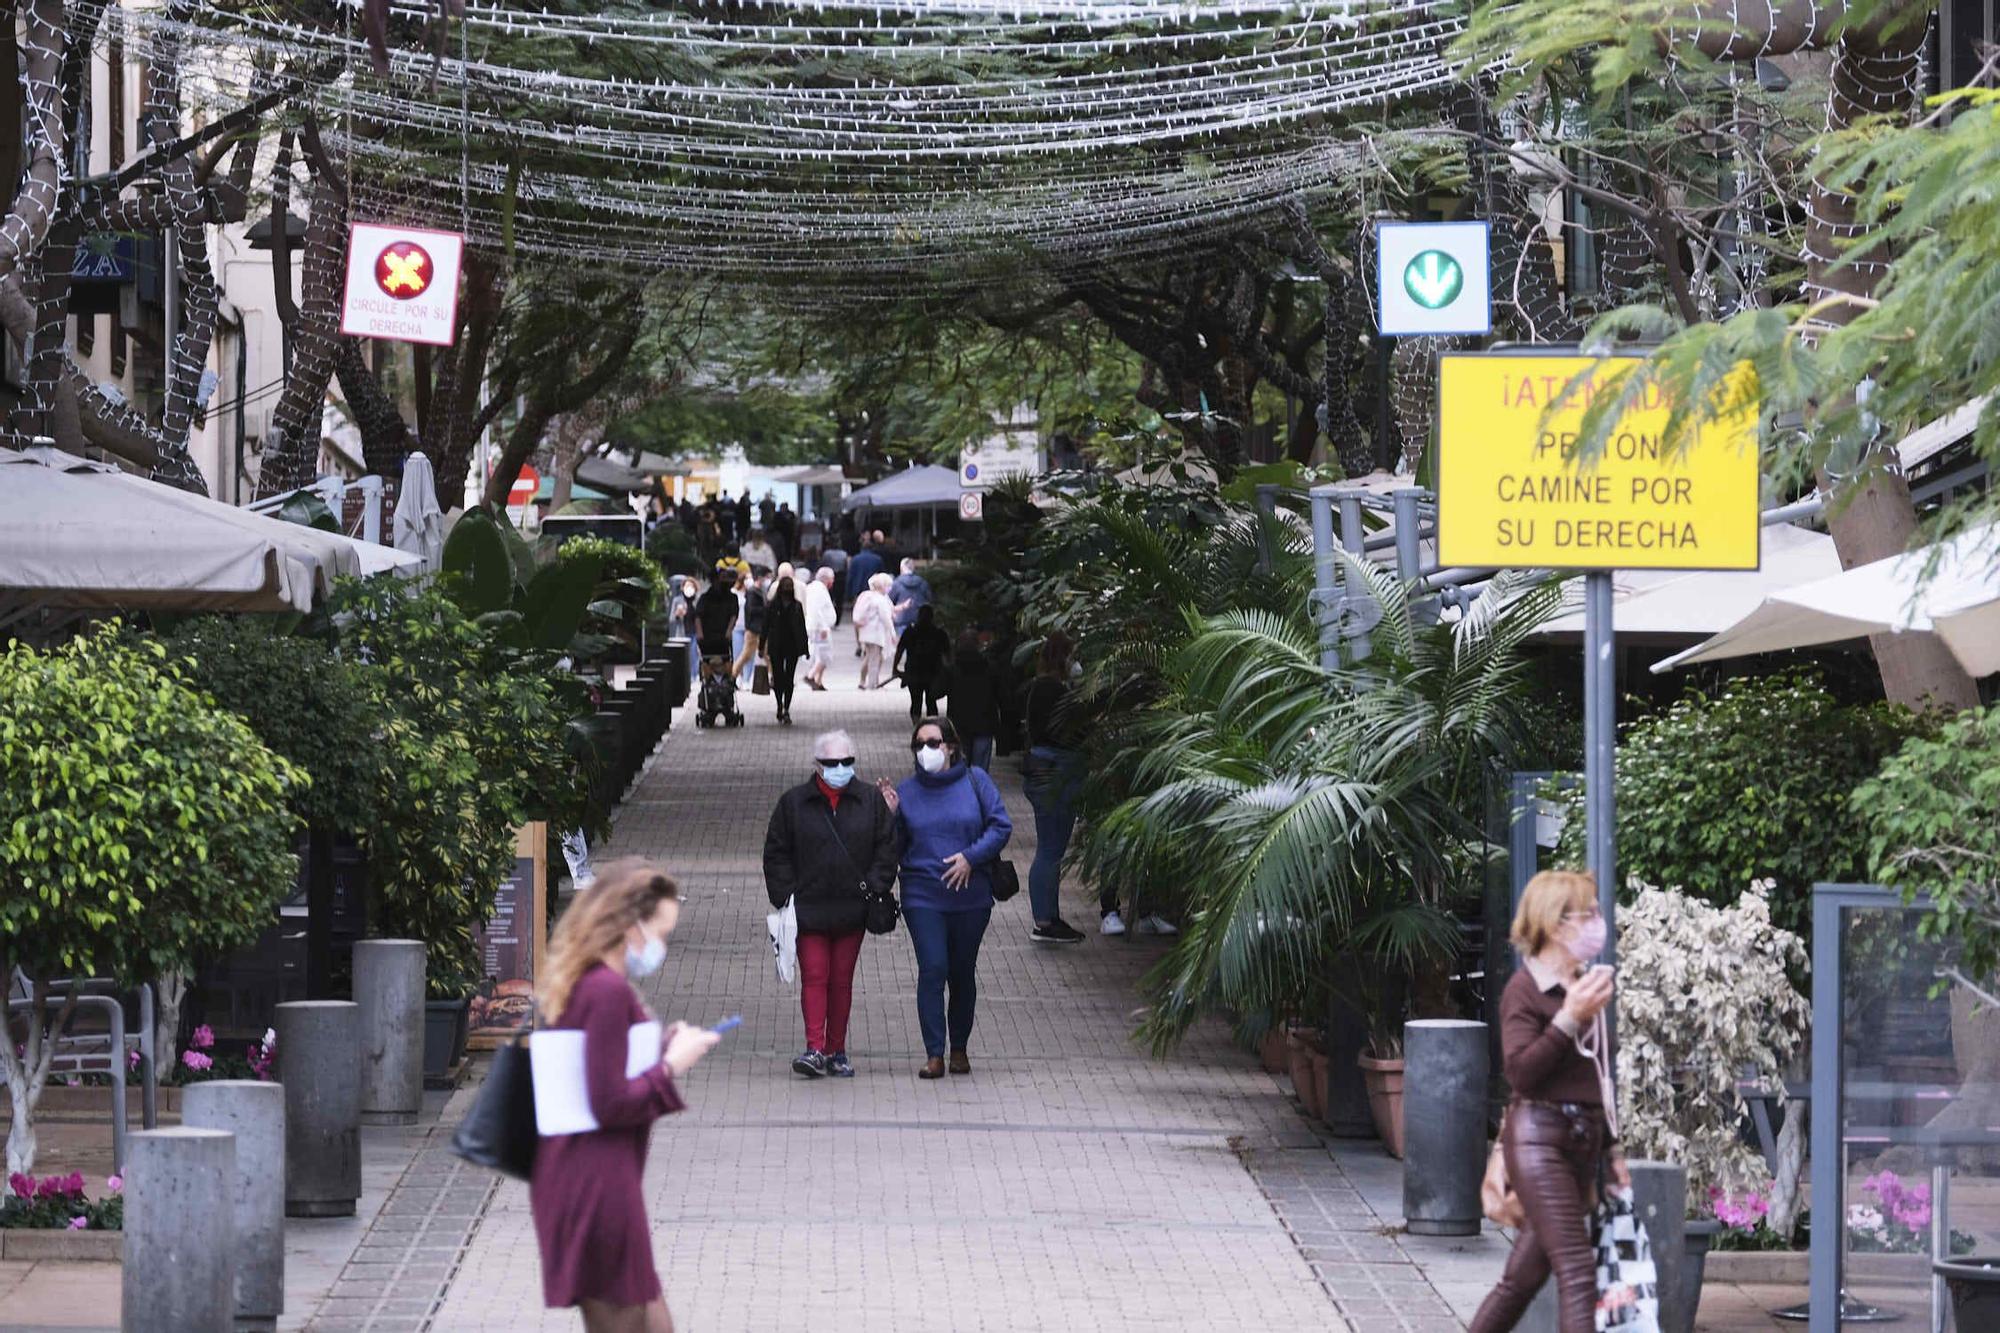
[{"x": 1537, "y": 1053}]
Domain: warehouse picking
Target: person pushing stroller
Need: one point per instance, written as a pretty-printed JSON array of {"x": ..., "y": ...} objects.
[{"x": 715, "y": 615}]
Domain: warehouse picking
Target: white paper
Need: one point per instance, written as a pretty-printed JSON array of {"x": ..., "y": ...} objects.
[{"x": 562, "y": 1098}]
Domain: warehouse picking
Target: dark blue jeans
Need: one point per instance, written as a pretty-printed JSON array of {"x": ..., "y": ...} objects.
[
  {"x": 1051, "y": 788},
  {"x": 947, "y": 945},
  {"x": 979, "y": 752}
]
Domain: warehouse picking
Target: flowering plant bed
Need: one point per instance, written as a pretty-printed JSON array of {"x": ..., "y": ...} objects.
[{"x": 61, "y": 1203}]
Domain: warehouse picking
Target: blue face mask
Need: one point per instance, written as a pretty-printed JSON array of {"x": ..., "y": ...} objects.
[
  {"x": 644, "y": 962},
  {"x": 838, "y": 775}
]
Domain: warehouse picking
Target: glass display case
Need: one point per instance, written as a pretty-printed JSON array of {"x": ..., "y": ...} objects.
[{"x": 1905, "y": 1123}]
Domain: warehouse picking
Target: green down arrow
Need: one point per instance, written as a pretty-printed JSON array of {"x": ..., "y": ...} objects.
[{"x": 1433, "y": 279}]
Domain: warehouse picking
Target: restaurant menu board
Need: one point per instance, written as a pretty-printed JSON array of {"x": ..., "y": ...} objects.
[{"x": 513, "y": 944}]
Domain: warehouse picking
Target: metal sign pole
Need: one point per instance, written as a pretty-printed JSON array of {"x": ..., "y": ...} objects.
[
  {"x": 1325, "y": 593},
  {"x": 1600, "y": 738}
]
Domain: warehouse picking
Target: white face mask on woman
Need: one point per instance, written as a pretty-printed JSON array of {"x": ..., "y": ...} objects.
[
  {"x": 932, "y": 759},
  {"x": 645, "y": 961}
]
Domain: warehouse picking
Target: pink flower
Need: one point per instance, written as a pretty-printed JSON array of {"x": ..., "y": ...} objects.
[
  {"x": 204, "y": 1037},
  {"x": 23, "y": 1186},
  {"x": 73, "y": 1184},
  {"x": 78, "y": 1223},
  {"x": 115, "y": 1184},
  {"x": 196, "y": 1060},
  {"x": 132, "y": 1060}
]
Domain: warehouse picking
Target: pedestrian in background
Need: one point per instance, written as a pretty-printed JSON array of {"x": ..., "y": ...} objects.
[
  {"x": 921, "y": 656},
  {"x": 953, "y": 826},
  {"x": 1053, "y": 774},
  {"x": 861, "y": 571},
  {"x": 820, "y": 618},
  {"x": 971, "y": 699},
  {"x": 909, "y": 594},
  {"x": 835, "y": 559},
  {"x": 875, "y": 628},
  {"x": 750, "y": 641},
  {"x": 831, "y": 843},
  {"x": 1559, "y": 1127},
  {"x": 586, "y": 1194},
  {"x": 785, "y": 643}
]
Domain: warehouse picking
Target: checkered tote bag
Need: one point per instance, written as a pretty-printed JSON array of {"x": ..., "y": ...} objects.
[{"x": 1627, "y": 1295}]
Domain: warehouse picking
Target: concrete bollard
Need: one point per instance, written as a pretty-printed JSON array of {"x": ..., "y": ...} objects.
[
  {"x": 1659, "y": 1197},
  {"x": 180, "y": 1245},
  {"x": 319, "y": 1057},
  {"x": 389, "y": 988},
  {"x": 255, "y": 1113},
  {"x": 1444, "y": 1125}
]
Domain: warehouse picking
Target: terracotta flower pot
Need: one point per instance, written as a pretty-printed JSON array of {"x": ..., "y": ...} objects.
[
  {"x": 1385, "y": 1099},
  {"x": 1302, "y": 1044},
  {"x": 1273, "y": 1052}
]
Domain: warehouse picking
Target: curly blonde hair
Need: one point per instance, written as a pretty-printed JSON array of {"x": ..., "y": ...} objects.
[
  {"x": 623, "y": 894},
  {"x": 1548, "y": 897}
]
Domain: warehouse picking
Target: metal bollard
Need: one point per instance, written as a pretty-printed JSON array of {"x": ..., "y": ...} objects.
[
  {"x": 1659, "y": 1197},
  {"x": 180, "y": 1245},
  {"x": 1444, "y": 1125},
  {"x": 389, "y": 988},
  {"x": 319, "y": 1058},
  {"x": 255, "y": 1113}
]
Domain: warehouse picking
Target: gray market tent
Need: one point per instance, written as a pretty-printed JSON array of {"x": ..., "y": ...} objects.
[
  {"x": 926, "y": 487},
  {"x": 606, "y": 475},
  {"x": 83, "y": 534}
]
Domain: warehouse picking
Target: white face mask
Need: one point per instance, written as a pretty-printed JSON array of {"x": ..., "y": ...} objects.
[
  {"x": 932, "y": 759},
  {"x": 644, "y": 962}
]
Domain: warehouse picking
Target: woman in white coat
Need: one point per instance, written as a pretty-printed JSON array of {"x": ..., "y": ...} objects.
[
  {"x": 875, "y": 624},
  {"x": 820, "y": 618}
]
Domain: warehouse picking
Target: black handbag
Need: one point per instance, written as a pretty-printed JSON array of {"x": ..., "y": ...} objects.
[
  {"x": 1006, "y": 880},
  {"x": 499, "y": 1132}
]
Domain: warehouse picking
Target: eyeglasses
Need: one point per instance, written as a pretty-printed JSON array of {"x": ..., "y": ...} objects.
[
  {"x": 936, "y": 744},
  {"x": 845, "y": 761}
]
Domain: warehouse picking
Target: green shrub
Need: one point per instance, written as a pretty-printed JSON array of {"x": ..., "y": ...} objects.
[
  {"x": 1931, "y": 827},
  {"x": 630, "y": 588},
  {"x": 143, "y": 827},
  {"x": 1748, "y": 784}
]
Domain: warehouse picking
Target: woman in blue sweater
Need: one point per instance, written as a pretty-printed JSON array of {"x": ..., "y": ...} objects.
[{"x": 953, "y": 826}]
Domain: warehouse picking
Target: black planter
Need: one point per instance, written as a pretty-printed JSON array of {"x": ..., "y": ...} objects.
[
  {"x": 444, "y": 1034},
  {"x": 1700, "y": 1235},
  {"x": 1974, "y": 1284}
]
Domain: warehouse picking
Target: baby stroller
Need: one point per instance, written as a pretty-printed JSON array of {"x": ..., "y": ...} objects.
[{"x": 717, "y": 699}]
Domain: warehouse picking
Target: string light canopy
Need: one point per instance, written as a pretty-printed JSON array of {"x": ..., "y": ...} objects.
[{"x": 847, "y": 150}]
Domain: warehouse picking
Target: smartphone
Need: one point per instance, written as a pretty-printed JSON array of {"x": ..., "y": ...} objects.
[
  {"x": 726, "y": 1024},
  {"x": 1602, "y": 969}
]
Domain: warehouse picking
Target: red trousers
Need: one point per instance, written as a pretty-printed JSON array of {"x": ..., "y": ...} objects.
[{"x": 826, "y": 986}]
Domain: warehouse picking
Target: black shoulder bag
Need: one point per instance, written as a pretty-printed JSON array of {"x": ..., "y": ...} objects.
[
  {"x": 880, "y": 908},
  {"x": 500, "y": 1132}
]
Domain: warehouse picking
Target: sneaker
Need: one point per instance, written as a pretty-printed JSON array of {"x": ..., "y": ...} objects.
[
  {"x": 1154, "y": 924},
  {"x": 1057, "y": 931},
  {"x": 1112, "y": 924},
  {"x": 837, "y": 1066},
  {"x": 812, "y": 1064}
]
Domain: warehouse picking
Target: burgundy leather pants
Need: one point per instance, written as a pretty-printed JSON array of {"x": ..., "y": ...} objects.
[{"x": 1552, "y": 1161}]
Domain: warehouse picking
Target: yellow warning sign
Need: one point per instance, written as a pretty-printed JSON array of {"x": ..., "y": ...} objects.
[{"x": 1512, "y": 493}]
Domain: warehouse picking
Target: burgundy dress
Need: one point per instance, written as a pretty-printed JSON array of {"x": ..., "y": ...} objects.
[{"x": 589, "y": 1209}]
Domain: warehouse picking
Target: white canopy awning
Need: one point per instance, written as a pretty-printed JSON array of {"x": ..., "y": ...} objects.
[
  {"x": 1951, "y": 590},
  {"x": 1688, "y": 605},
  {"x": 926, "y": 487},
  {"x": 85, "y": 534}
]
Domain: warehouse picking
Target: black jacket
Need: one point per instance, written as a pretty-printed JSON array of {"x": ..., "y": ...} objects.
[
  {"x": 785, "y": 631},
  {"x": 971, "y": 695},
  {"x": 802, "y": 860},
  {"x": 753, "y": 610},
  {"x": 715, "y": 612}
]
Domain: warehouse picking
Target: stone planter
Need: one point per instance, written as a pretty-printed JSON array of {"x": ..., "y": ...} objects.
[
  {"x": 1272, "y": 1052},
  {"x": 59, "y": 1100},
  {"x": 1700, "y": 1234},
  {"x": 31, "y": 1244},
  {"x": 1974, "y": 1284},
  {"x": 1301, "y": 1046},
  {"x": 444, "y": 1035},
  {"x": 1385, "y": 1099}
]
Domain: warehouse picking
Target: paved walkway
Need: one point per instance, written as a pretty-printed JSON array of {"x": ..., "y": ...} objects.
[{"x": 1072, "y": 1182}]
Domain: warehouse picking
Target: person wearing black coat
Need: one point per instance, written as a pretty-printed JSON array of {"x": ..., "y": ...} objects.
[
  {"x": 784, "y": 643},
  {"x": 921, "y": 655},
  {"x": 972, "y": 700},
  {"x": 831, "y": 843}
]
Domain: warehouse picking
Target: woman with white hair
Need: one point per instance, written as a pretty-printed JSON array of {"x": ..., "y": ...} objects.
[
  {"x": 875, "y": 626},
  {"x": 820, "y": 617},
  {"x": 830, "y": 846}
]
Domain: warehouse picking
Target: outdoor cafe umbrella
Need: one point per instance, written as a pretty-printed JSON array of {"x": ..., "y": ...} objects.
[
  {"x": 419, "y": 525},
  {"x": 84, "y": 534},
  {"x": 1951, "y": 590}
]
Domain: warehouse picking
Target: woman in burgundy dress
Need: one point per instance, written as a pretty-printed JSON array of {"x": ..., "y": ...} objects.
[{"x": 590, "y": 1213}]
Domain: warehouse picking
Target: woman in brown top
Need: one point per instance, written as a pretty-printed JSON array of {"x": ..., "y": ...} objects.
[{"x": 1557, "y": 1130}]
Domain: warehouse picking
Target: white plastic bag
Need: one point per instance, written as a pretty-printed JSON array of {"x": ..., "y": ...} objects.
[
  {"x": 1627, "y": 1282},
  {"x": 784, "y": 927},
  {"x": 576, "y": 851}
]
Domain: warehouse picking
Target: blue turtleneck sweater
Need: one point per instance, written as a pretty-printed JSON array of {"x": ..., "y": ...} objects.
[{"x": 942, "y": 814}]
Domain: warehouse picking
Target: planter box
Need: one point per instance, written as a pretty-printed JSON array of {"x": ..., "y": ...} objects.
[
  {"x": 25, "y": 1245},
  {"x": 59, "y": 1102},
  {"x": 1758, "y": 1268},
  {"x": 444, "y": 1035}
]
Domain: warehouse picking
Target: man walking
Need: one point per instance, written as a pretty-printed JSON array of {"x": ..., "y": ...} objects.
[
  {"x": 909, "y": 594},
  {"x": 820, "y": 618},
  {"x": 865, "y": 565}
]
